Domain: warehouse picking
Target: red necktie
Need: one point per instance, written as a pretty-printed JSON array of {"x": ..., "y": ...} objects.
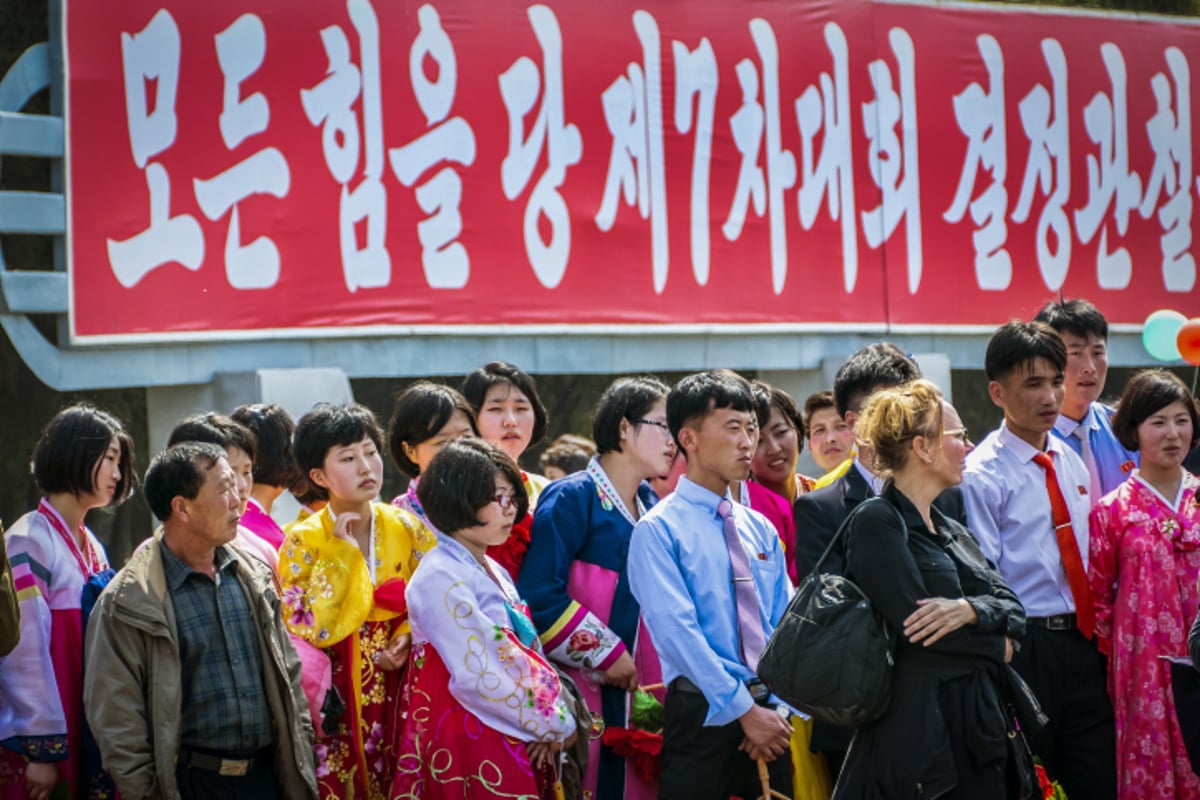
[{"x": 1068, "y": 548}]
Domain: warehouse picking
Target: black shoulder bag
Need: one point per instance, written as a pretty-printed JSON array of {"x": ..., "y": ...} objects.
[{"x": 831, "y": 655}]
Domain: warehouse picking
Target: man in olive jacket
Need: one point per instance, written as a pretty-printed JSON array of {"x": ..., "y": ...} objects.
[{"x": 192, "y": 687}]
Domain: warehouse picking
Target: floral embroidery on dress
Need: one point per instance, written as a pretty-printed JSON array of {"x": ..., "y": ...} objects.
[
  {"x": 1144, "y": 561},
  {"x": 589, "y": 641}
]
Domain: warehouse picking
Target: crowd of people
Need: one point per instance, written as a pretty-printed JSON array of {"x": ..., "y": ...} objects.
[{"x": 595, "y": 632}]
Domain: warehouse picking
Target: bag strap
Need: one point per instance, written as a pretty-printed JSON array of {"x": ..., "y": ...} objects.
[{"x": 846, "y": 524}]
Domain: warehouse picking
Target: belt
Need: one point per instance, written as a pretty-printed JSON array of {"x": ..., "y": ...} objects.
[
  {"x": 1058, "y": 622},
  {"x": 230, "y": 767},
  {"x": 758, "y": 689}
]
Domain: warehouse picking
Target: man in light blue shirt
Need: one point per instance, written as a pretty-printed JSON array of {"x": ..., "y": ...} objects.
[
  {"x": 719, "y": 718},
  {"x": 1084, "y": 423}
]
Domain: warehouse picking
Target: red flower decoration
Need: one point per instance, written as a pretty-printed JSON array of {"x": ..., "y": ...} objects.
[
  {"x": 1044, "y": 782},
  {"x": 642, "y": 748},
  {"x": 583, "y": 641}
]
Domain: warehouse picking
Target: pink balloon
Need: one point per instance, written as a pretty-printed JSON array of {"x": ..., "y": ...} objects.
[{"x": 1189, "y": 341}]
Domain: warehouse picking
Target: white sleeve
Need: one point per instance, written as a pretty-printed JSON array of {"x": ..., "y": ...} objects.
[{"x": 508, "y": 686}]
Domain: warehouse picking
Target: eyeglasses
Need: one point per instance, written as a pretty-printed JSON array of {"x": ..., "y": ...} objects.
[
  {"x": 957, "y": 433},
  {"x": 664, "y": 427},
  {"x": 506, "y": 501}
]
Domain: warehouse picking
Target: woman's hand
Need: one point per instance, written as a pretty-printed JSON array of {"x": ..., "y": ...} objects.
[
  {"x": 40, "y": 779},
  {"x": 622, "y": 673},
  {"x": 937, "y": 616},
  {"x": 341, "y": 528},
  {"x": 543, "y": 753},
  {"x": 1008, "y": 650},
  {"x": 395, "y": 655}
]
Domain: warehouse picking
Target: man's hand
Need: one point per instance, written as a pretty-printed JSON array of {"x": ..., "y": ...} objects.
[
  {"x": 40, "y": 779},
  {"x": 622, "y": 673},
  {"x": 937, "y": 616},
  {"x": 768, "y": 735},
  {"x": 1008, "y": 650}
]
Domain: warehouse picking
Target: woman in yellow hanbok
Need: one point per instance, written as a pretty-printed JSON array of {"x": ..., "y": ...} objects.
[{"x": 343, "y": 573}]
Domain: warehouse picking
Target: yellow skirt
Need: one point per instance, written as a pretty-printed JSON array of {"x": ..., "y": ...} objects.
[{"x": 810, "y": 772}]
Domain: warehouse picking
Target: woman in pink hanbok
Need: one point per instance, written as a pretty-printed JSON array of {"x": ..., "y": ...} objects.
[
  {"x": 274, "y": 468},
  {"x": 1143, "y": 566},
  {"x": 82, "y": 461}
]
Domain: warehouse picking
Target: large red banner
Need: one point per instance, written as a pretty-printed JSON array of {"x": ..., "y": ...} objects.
[{"x": 236, "y": 166}]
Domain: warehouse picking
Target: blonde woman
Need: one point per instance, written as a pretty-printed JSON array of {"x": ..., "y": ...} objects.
[{"x": 944, "y": 734}]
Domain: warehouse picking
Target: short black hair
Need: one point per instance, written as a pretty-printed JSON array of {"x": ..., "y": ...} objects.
[
  {"x": 68, "y": 452},
  {"x": 218, "y": 429},
  {"x": 476, "y": 385},
  {"x": 1076, "y": 316},
  {"x": 420, "y": 412},
  {"x": 461, "y": 479},
  {"x": 179, "y": 471},
  {"x": 1018, "y": 344},
  {"x": 701, "y": 393},
  {"x": 627, "y": 399},
  {"x": 330, "y": 425},
  {"x": 272, "y": 426},
  {"x": 1147, "y": 393},
  {"x": 569, "y": 458},
  {"x": 880, "y": 365},
  {"x": 814, "y": 403},
  {"x": 774, "y": 397},
  {"x": 305, "y": 491}
]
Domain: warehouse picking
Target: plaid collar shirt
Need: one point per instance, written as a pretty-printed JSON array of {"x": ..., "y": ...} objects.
[{"x": 224, "y": 703}]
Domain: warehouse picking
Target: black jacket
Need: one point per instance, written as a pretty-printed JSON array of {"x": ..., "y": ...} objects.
[
  {"x": 820, "y": 513},
  {"x": 818, "y": 516},
  {"x": 944, "y": 734}
]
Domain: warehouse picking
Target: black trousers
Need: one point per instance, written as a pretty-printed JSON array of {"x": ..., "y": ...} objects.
[
  {"x": 700, "y": 763},
  {"x": 198, "y": 783},
  {"x": 1068, "y": 675}
]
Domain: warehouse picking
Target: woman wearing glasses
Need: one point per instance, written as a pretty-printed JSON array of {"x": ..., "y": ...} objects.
[
  {"x": 944, "y": 734},
  {"x": 574, "y": 575},
  {"x": 485, "y": 714}
]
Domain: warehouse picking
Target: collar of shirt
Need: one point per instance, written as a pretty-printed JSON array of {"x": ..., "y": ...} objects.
[
  {"x": 697, "y": 495},
  {"x": 1067, "y": 426},
  {"x": 873, "y": 480},
  {"x": 1024, "y": 451},
  {"x": 177, "y": 572},
  {"x": 1171, "y": 504}
]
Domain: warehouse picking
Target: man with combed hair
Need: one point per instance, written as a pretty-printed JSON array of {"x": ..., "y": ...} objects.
[
  {"x": 1084, "y": 423},
  {"x": 712, "y": 583},
  {"x": 1027, "y": 504},
  {"x": 192, "y": 687}
]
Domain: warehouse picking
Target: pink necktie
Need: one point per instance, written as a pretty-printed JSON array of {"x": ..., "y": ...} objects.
[
  {"x": 750, "y": 629},
  {"x": 1082, "y": 433}
]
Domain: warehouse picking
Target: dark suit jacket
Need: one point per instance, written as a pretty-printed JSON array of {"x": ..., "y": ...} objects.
[{"x": 818, "y": 515}]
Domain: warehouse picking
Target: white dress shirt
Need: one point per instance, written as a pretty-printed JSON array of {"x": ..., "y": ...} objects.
[
  {"x": 1008, "y": 510},
  {"x": 873, "y": 480}
]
